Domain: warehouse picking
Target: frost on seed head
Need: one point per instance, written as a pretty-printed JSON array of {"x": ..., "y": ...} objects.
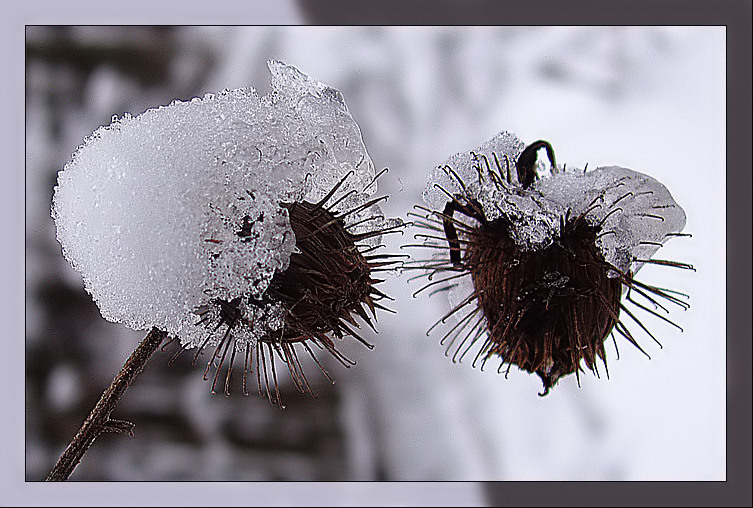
[
  {"x": 636, "y": 213},
  {"x": 167, "y": 211}
]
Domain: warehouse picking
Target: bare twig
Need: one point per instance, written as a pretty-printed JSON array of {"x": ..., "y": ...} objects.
[{"x": 99, "y": 420}]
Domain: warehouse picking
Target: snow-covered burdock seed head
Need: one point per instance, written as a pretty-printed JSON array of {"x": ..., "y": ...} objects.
[
  {"x": 542, "y": 262},
  {"x": 231, "y": 221}
]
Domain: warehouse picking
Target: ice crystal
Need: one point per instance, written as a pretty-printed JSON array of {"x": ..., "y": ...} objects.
[
  {"x": 166, "y": 213},
  {"x": 636, "y": 213}
]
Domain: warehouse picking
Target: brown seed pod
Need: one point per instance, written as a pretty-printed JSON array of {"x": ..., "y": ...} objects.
[
  {"x": 329, "y": 281},
  {"x": 544, "y": 306}
]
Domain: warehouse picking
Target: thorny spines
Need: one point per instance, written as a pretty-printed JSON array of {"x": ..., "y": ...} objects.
[
  {"x": 543, "y": 310},
  {"x": 541, "y": 306},
  {"x": 329, "y": 280}
]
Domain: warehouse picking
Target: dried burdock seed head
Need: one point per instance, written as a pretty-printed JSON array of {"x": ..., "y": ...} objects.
[
  {"x": 312, "y": 304},
  {"x": 232, "y": 222},
  {"x": 541, "y": 269}
]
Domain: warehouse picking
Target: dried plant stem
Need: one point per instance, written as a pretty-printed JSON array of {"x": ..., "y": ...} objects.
[{"x": 99, "y": 419}]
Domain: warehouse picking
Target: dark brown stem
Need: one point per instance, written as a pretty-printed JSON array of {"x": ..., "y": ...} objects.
[{"x": 99, "y": 420}]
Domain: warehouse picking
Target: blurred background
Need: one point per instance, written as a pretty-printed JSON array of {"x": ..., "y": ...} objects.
[{"x": 647, "y": 98}]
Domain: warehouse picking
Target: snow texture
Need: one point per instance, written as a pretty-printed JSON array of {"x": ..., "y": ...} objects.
[
  {"x": 636, "y": 213},
  {"x": 165, "y": 212}
]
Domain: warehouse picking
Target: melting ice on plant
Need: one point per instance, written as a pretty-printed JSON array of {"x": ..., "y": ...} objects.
[
  {"x": 164, "y": 211},
  {"x": 639, "y": 211}
]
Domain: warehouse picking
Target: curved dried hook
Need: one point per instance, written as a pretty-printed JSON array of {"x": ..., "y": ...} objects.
[{"x": 526, "y": 163}]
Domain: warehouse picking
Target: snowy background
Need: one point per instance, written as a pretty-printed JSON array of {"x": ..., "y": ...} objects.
[{"x": 651, "y": 99}]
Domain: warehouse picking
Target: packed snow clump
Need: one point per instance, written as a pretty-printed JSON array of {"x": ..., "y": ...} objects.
[
  {"x": 636, "y": 213},
  {"x": 167, "y": 211}
]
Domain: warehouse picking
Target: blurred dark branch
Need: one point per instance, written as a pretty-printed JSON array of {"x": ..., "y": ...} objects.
[
  {"x": 144, "y": 55},
  {"x": 99, "y": 420}
]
